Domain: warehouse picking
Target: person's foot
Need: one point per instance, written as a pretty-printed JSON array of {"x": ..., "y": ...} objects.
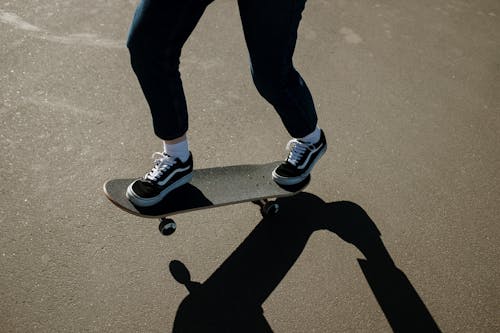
[
  {"x": 301, "y": 160},
  {"x": 168, "y": 173}
]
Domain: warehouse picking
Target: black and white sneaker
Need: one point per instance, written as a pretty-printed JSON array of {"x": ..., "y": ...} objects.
[
  {"x": 301, "y": 159},
  {"x": 168, "y": 173}
]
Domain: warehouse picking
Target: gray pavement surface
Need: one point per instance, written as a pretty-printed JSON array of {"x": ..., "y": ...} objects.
[{"x": 408, "y": 93}]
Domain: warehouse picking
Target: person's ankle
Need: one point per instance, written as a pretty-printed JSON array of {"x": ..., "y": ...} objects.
[
  {"x": 312, "y": 137},
  {"x": 179, "y": 150}
]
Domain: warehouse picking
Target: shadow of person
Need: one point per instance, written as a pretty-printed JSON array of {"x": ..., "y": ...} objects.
[{"x": 231, "y": 299}]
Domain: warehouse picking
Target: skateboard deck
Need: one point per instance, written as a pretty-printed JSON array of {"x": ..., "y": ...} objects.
[{"x": 211, "y": 187}]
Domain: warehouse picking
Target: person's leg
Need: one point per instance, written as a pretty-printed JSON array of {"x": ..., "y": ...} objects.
[
  {"x": 270, "y": 29},
  {"x": 158, "y": 32}
]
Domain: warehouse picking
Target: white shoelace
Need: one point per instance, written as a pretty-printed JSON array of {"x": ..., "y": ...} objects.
[
  {"x": 297, "y": 149},
  {"x": 161, "y": 164}
]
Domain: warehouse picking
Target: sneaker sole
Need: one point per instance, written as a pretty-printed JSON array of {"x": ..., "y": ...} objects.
[
  {"x": 148, "y": 202},
  {"x": 287, "y": 181}
]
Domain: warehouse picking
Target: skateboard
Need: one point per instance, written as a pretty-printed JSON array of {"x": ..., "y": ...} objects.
[{"x": 209, "y": 188}]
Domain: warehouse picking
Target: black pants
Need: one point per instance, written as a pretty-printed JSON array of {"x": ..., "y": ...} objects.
[{"x": 160, "y": 29}]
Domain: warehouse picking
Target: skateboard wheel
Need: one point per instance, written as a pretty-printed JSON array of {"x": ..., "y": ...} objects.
[
  {"x": 167, "y": 226},
  {"x": 270, "y": 209}
]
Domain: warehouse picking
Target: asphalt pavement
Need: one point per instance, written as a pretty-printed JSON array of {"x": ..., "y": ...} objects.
[{"x": 398, "y": 230}]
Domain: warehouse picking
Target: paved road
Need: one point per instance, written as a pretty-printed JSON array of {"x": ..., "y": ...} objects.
[{"x": 398, "y": 229}]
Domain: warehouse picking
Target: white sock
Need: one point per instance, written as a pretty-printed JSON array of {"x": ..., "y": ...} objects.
[
  {"x": 179, "y": 150},
  {"x": 312, "y": 137}
]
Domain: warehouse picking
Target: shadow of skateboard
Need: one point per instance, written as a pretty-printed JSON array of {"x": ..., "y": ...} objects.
[{"x": 209, "y": 188}]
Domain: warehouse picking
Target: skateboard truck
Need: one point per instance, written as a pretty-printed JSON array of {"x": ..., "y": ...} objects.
[{"x": 268, "y": 208}]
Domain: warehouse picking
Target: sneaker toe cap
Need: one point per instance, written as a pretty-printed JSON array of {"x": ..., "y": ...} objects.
[
  {"x": 286, "y": 170},
  {"x": 143, "y": 189}
]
